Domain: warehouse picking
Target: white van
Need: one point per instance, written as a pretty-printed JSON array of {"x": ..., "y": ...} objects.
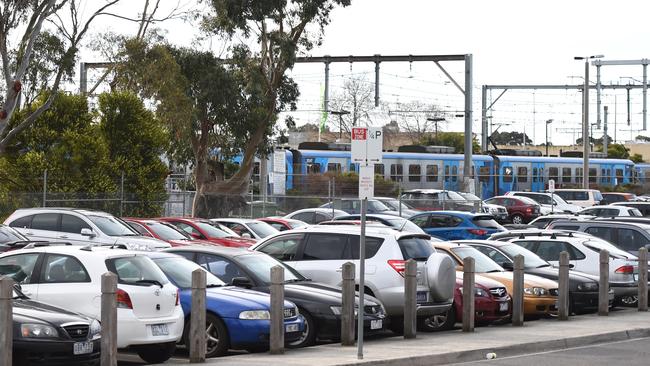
[{"x": 580, "y": 197}]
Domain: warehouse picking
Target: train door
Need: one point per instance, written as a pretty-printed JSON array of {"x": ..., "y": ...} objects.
[
  {"x": 451, "y": 175},
  {"x": 506, "y": 175},
  {"x": 537, "y": 177},
  {"x": 521, "y": 181},
  {"x": 483, "y": 174}
]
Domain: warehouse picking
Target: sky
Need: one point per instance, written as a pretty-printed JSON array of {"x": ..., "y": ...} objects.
[{"x": 512, "y": 42}]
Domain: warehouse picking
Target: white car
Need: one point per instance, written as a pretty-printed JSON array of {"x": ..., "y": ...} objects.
[
  {"x": 149, "y": 316},
  {"x": 580, "y": 197},
  {"x": 315, "y": 215},
  {"x": 550, "y": 203},
  {"x": 79, "y": 227},
  {"x": 248, "y": 228},
  {"x": 611, "y": 211},
  {"x": 319, "y": 252},
  {"x": 543, "y": 221}
]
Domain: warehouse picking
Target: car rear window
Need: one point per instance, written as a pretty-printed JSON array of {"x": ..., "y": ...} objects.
[
  {"x": 136, "y": 270},
  {"x": 486, "y": 222},
  {"x": 597, "y": 196},
  {"x": 415, "y": 248},
  {"x": 634, "y": 212}
]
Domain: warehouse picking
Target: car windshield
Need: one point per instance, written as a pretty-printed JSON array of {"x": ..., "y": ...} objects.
[
  {"x": 597, "y": 245},
  {"x": 179, "y": 270},
  {"x": 483, "y": 263},
  {"x": 597, "y": 196},
  {"x": 455, "y": 196},
  {"x": 559, "y": 200},
  {"x": 136, "y": 270},
  {"x": 211, "y": 230},
  {"x": 377, "y": 206},
  {"x": 260, "y": 265},
  {"x": 415, "y": 248},
  {"x": 262, "y": 229},
  {"x": 166, "y": 232},
  {"x": 487, "y": 222},
  {"x": 531, "y": 260},
  {"x": 9, "y": 235},
  {"x": 111, "y": 226},
  {"x": 470, "y": 197},
  {"x": 394, "y": 204},
  {"x": 527, "y": 201},
  {"x": 407, "y": 225},
  {"x": 296, "y": 224}
]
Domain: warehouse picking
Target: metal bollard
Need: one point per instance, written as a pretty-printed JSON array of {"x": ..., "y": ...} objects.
[
  {"x": 198, "y": 337},
  {"x": 518, "y": 291},
  {"x": 603, "y": 286},
  {"x": 643, "y": 279},
  {"x": 6, "y": 321},
  {"x": 563, "y": 297},
  {"x": 109, "y": 319},
  {"x": 410, "y": 299},
  {"x": 277, "y": 311},
  {"x": 347, "y": 306},
  {"x": 468, "y": 294}
]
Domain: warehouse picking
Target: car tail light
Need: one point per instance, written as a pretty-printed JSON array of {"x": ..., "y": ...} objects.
[
  {"x": 529, "y": 209},
  {"x": 479, "y": 232},
  {"x": 625, "y": 269},
  {"x": 178, "y": 297},
  {"x": 123, "y": 300},
  {"x": 399, "y": 265}
]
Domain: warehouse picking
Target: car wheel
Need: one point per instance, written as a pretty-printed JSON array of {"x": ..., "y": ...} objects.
[
  {"x": 439, "y": 322},
  {"x": 517, "y": 219},
  {"x": 156, "y": 353},
  {"x": 217, "y": 334},
  {"x": 308, "y": 336}
]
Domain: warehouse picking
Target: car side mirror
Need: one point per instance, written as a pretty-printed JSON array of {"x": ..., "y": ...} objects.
[
  {"x": 571, "y": 266},
  {"x": 246, "y": 236},
  {"x": 88, "y": 232},
  {"x": 18, "y": 287},
  {"x": 244, "y": 282},
  {"x": 508, "y": 266}
]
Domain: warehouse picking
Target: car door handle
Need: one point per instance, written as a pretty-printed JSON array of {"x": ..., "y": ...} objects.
[{"x": 29, "y": 233}]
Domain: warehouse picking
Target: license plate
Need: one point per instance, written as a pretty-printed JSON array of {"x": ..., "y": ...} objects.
[
  {"x": 82, "y": 348},
  {"x": 290, "y": 328},
  {"x": 159, "y": 330},
  {"x": 376, "y": 324},
  {"x": 422, "y": 296},
  {"x": 503, "y": 306}
]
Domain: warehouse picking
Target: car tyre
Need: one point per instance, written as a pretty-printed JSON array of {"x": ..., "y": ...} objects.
[
  {"x": 218, "y": 338},
  {"x": 308, "y": 336},
  {"x": 436, "y": 323},
  {"x": 156, "y": 353},
  {"x": 517, "y": 219}
]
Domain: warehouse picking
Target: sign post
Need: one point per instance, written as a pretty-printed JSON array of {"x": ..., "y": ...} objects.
[
  {"x": 366, "y": 145},
  {"x": 551, "y": 189}
]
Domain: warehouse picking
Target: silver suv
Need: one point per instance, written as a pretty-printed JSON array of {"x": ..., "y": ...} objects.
[
  {"x": 319, "y": 252},
  {"x": 79, "y": 227}
]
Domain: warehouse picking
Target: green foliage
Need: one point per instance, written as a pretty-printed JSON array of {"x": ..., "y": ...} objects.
[
  {"x": 637, "y": 158},
  {"x": 452, "y": 139},
  {"x": 618, "y": 151},
  {"x": 509, "y": 138},
  {"x": 643, "y": 138}
]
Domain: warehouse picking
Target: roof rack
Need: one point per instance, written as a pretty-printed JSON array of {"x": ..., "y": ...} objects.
[{"x": 40, "y": 244}]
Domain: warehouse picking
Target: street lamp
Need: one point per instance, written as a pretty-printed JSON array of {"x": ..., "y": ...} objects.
[
  {"x": 585, "y": 120},
  {"x": 436, "y": 120},
  {"x": 548, "y": 122},
  {"x": 340, "y": 113}
]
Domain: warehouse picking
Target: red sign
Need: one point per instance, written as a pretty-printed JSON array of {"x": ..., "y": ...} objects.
[{"x": 359, "y": 133}]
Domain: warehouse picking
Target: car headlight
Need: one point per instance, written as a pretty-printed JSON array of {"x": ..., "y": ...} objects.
[
  {"x": 38, "y": 331},
  {"x": 95, "y": 329},
  {"x": 535, "y": 291},
  {"x": 255, "y": 315},
  {"x": 478, "y": 292},
  {"x": 588, "y": 286}
]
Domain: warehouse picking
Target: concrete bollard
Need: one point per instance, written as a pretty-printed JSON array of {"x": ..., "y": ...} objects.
[
  {"x": 347, "y": 306},
  {"x": 109, "y": 319},
  {"x": 518, "y": 291},
  {"x": 6, "y": 321},
  {"x": 468, "y": 294},
  {"x": 410, "y": 299},
  {"x": 603, "y": 287},
  {"x": 563, "y": 296},
  {"x": 198, "y": 337},
  {"x": 643, "y": 279},
  {"x": 277, "y": 311}
]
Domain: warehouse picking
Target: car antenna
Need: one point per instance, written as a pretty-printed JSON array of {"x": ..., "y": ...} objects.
[{"x": 403, "y": 224}]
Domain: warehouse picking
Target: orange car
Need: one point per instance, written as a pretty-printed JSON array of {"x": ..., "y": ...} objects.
[{"x": 540, "y": 294}]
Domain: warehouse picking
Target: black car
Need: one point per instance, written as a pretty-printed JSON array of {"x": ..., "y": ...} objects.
[
  {"x": 318, "y": 303},
  {"x": 48, "y": 335},
  {"x": 583, "y": 288}
]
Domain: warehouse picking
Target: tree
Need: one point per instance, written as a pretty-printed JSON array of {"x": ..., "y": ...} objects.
[
  {"x": 452, "y": 139},
  {"x": 356, "y": 98},
  {"x": 417, "y": 119},
  {"x": 636, "y": 158},
  {"x": 510, "y": 138},
  {"x": 618, "y": 151},
  {"x": 642, "y": 138}
]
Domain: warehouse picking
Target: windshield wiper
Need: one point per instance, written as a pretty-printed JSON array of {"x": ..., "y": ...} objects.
[
  {"x": 293, "y": 280},
  {"x": 493, "y": 271},
  {"x": 213, "y": 285},
  {"x": 152, "y": 282},
  {"x": 543, "y": 265},
  {"x": 419, "y": 259}
]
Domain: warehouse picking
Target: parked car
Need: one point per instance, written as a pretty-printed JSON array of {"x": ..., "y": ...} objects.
[
  {"x": 583, "y": 287},
  {"x": 625, "y": 235},
  {"x": 353, "y": 206},
  {"x": 642, "y": 206},
  {"x": 398, "y": 206},
  {"x": 611, "y": 197},
  {"x": 549, "y": 202},
  {"x": 455, "y": 225},
  {"x": 202, "y": 229},
  {"x": 543, "y": 221},
  {"x": 164, "y": 231},
  {"x": 500, "y": 213},
  {"x": 610, "y": 211},
  {"x": 584, "y": 255},
  {"x": 45, "y": 332},
  {"x": 11, "y": 239},
  {"x": 283, "y": 224},
  {"x": 580, "y": 197},
  {"x": 149, "y": 316},
  {"x": 436, "y": 199},
  {"x": 319, "y": 304},
  {"x": 397, "y": 223},
  {"x": 248, "y": 228},
  {"x": 236, "y": 318},
  {"x": 79, "y": 227},
  {"x": 521, "y": 210},
  {"x": 315, "y": 215},
  {"x": 540, "y": 294},
  {"x": 319, "y": 252}
]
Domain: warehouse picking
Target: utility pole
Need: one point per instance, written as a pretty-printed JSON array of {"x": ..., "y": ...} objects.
[
  {"x": 605, "y": 137},
  {"x": 585, "y": 121},
  {"x": 548, "y": 122}
]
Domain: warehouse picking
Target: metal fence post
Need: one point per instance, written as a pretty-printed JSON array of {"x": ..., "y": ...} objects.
[
  {"x": 518, "y": 291},
  {"x": 45, "y": 188},
  {"x": 109, "y": 319},
  {"x": 399, "y": 200},
  {"x": 563, "y": 296},
  {"x": 603, "y": 287},
  {"x": 347, "y": 305},
  {"x": 122, "y": 195},
  {"x": 643, "y": 279},
  {"x": 468, "y": 294},
  {"x": 277, "y": 310},
  {"x": 6, "y": 323},
  {"x": 410, "y": 299},
  {"x": 198, "y": 337}
]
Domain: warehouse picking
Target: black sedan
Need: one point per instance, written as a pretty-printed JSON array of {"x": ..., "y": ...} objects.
[
  {"x": 583, "y": 288},
  {"x": 48, "y": 335},
  {"x": 319, "y": 304}
]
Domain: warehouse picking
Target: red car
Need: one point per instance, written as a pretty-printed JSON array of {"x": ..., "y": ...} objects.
[
  {"x": 283, "y": 224},
  {"x": 492, "y": 303},
  {"x": 163, "y": 231},
  {"x": 521, "y": 210},
  {"x": 202, "y": 229}
]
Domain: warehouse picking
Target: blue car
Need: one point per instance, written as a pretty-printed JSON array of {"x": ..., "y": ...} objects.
[
  {"x": 457, "y": 225},
  {"x": 236, "y": 318}
]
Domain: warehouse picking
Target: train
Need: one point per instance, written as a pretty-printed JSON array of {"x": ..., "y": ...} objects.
[{"x": 438, "y": 167}]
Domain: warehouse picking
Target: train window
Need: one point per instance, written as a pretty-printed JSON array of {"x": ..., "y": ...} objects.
[
  {"x": 432, "y": 173},
  {"x": 603, "y": 176},
  {"x": 566, "y": 175},
  {"x": 313, "y": 168},
  {"x": 454, "y": 173},
  {"x": 256, "y": 172},
  {"x": 353, "y": 168},
  {"x": 415, "y": 172},
  {"x": 379, "y": 169},
  {"x": 578, "y": 175},
  {"x": 534, "y": 175},
  {"x": 554, "y": 173},
  {"x": 609, "y": 175},
  {"x": 593, "y": 174},
  {"x": 507, "y": 174},
  {"x": 619, "y": 175},
  {"x": 522, "y": 174},
  {"x": 484, "y": 174},
  {"x": 396, "y": 172},
  {"x": 334, "y": 167}
]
